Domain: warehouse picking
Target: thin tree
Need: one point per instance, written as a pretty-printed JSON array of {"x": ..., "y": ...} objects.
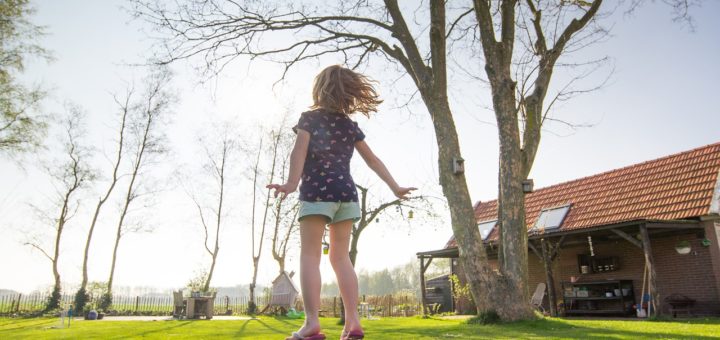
[
  {"x": 70, "y": 174},
  {"x": 286, "y": 225},
  {"x": 218, "y": 163},
  {"x": 256, "y": 170},
  {"x": 369, "y": 213},
  {"x": 284, "y": 213},
  {"x": 220, "y": 31},
  {"x": 20, "y": 129},
  {"x": 81, "y": 296},
  {"x": 147, "y": 116}
]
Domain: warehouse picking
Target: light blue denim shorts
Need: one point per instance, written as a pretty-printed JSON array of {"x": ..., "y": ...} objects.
[{"x": 334, "y": 211}]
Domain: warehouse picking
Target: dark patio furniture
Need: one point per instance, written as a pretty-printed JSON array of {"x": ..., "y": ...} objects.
[{"x": 680, "y": 303}]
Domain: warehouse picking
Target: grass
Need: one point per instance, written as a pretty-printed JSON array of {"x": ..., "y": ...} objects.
[{"x": 389, "y": 328}]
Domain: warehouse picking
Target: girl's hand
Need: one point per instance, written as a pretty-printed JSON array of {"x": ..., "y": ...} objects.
[
  {"x": 285, "y": 189},
  {"x": 402, "y": 193}
]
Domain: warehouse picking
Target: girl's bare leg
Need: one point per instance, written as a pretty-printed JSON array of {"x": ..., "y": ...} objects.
[
  {"x": 311, "y": 233},
  {"x": 345, "y": 272}
]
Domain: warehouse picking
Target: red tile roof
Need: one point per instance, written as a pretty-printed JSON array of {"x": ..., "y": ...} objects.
[{"x": 674, "y": 187}]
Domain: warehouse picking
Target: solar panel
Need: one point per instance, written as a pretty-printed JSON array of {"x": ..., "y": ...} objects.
[
  {"x": 486, "y": 228},
  {"x": 551, "y": 218}
]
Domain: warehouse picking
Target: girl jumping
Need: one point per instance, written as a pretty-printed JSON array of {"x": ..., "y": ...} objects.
[{"x": 326, "y": 139}]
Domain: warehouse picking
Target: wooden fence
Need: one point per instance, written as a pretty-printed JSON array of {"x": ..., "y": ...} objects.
[
  {"x": 123, "y": 305},
  {"x": 373, "y": 306},
  {"x": 376, "y": 306}
]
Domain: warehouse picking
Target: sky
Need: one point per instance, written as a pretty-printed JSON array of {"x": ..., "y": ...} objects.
[{"x": 657, "y": 101}]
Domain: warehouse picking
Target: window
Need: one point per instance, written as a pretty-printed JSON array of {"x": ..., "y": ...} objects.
[
  {"x": 551, "y": 218},
  {"x": 486, "y": 228}
]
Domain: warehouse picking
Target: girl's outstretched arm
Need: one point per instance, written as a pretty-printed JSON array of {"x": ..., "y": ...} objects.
[
  {"x": 297, "y": 161},
  {"x": 379, "y": 167}
]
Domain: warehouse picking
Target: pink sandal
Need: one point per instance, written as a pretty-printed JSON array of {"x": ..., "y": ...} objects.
[
  {"x": 352, "y": 335},
  {"x": 316, "y": 336}
]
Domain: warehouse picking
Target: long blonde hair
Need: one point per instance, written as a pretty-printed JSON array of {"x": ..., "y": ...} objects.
[{"x": 340, "y": 89}]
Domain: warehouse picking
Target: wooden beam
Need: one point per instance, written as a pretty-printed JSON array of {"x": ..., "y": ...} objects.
[
  {"x": 628, "y": 238},
  {"x": 549, "y": 279},
  {"x": 532, "y": 247},
  {"x": 427, "y": 265},
  {"x": 652, "y": 280},
  {"x": 422, "y": 284},
  {"x": 556, "y": 248},
  {"x": 675, "y": 225}
]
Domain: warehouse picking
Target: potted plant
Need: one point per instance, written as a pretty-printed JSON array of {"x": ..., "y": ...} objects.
[{"x": 683, "y": 247}]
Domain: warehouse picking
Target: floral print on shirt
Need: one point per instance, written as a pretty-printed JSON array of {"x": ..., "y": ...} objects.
[{"x": 326, "y": 174}]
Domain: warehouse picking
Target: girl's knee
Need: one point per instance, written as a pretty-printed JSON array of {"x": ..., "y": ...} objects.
[{"x": 339, "y": 259}]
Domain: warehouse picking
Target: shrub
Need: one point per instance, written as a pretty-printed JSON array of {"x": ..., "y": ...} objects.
[
  {"x": 53, "y": 302},
  {"x": 81, "y": 299}
]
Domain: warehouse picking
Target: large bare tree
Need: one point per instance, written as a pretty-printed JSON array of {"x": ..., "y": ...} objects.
[
  {"x": 218, "y": 32},
  {"x": 70, "y": 174}
]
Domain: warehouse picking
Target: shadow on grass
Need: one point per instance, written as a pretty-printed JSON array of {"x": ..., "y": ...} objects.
[
  {"x": 691, "y": 321},
  {"x": 284, "y": 320},
  {"x": 544, "y": 328},
  {"x": 28, "y": 323},
  {"x": 241, "y": 331},
  {"x": 558, "y": 328},
  {"x": 164, "y": 330}
]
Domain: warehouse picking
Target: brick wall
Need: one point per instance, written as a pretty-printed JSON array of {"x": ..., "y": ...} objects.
[{"x": 691, "y": 275}]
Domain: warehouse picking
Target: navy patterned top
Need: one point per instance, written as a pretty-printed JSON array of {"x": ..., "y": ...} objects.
[{"x": 326, "y": 174}]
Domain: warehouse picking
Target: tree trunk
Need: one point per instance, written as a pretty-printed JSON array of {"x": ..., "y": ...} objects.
[
  {"x": 511, "y": 206},
  {"x": 432, "y": 84},
  {"x": 206, "y": 286},
  {"x": 54, "y": 301},
  {"x": 252, "y": 306},
  {"x": 118, "y": 235},
  {"x": 484, "y": 284}
]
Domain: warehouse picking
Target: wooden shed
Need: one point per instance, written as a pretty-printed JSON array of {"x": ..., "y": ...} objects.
[
  {"x": 284, "y": 293},
  {"x": 438, "y": 293}
]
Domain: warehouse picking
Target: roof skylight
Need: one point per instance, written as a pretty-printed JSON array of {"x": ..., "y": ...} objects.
[
  {"x": 486, "y": 228},
  {"x": 550, "y": 219}
]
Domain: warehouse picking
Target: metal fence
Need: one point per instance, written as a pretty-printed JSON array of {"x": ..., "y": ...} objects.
[{"x": 124, "y": 305}]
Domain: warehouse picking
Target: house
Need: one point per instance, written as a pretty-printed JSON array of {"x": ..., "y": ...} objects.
[{"x": 647, "y": 230}]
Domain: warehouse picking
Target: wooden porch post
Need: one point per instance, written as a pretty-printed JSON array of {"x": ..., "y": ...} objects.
[
  {"x": 422, "y": 284},
  {"x": 423, "y": 268},
  {"x": 549, "y": 278},
  {"x": 712, "y": 233},
  {"x": 652, "y": 280}
]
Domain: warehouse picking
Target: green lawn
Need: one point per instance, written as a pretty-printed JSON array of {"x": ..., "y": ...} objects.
[{"x": 390, "y": 328}]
